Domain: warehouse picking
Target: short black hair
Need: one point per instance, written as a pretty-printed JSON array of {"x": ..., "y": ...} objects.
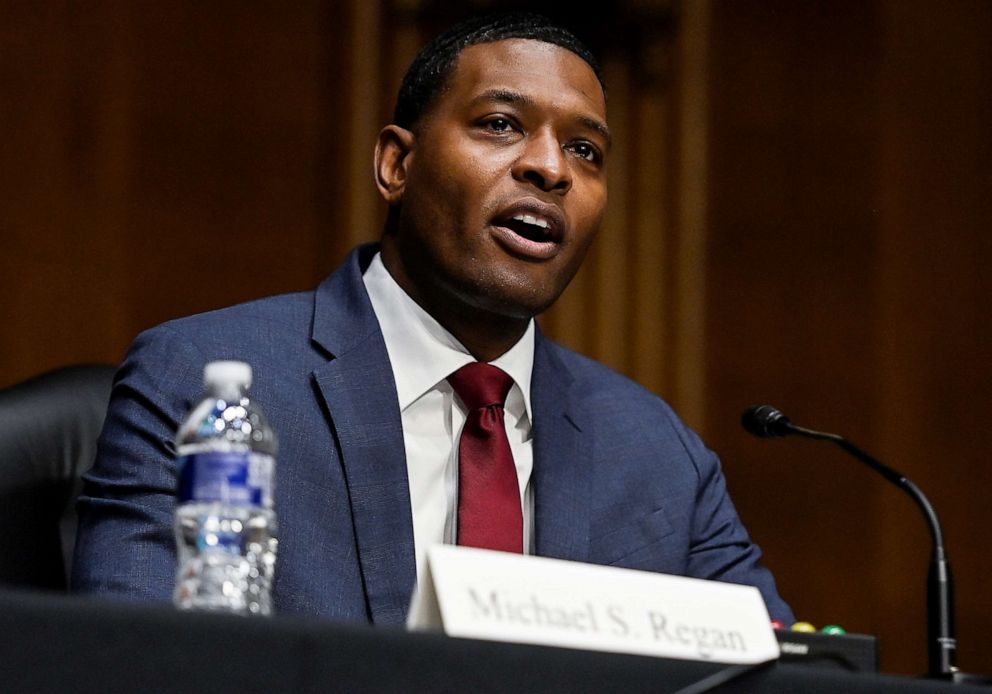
[{"x": 430, "y": 70}]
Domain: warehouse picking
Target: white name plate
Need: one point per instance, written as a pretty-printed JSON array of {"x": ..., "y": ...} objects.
[{"x": 497, "y": 596}]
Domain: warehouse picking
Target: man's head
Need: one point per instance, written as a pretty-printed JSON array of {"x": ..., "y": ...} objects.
[
  {"x": 497, "y": 182},
  {"x": 430, "y": 70}
]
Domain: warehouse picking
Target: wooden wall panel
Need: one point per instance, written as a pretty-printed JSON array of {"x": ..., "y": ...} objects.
[
  {"x": 849, "y": 216},
  {"x": 222, "y": 187},
  {"x": 166, "y": 160},
  {"x": 61, "y": 178},
  {"x": 790, "y": 252},
  {"x": 933, "y": 317}
]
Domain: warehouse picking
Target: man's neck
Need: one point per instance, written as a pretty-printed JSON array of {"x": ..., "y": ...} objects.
[
  {"x": 485, "y": 340},
  {"x": 486, "y": 334}
]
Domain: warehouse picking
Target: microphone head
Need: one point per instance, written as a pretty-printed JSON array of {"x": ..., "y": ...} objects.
[{"x": 765, "y": 421}]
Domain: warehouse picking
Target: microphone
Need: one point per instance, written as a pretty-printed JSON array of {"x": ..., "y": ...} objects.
[{"x": 765, "y": 421}]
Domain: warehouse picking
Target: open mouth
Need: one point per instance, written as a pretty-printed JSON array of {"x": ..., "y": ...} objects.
[{"x": 529, "y": 227}]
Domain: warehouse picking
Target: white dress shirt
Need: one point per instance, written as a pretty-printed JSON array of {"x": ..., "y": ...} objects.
[{"x": 423, "y": 354}]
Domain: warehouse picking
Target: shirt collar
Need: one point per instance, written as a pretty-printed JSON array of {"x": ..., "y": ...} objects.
[{"x": 423, "y": 353}]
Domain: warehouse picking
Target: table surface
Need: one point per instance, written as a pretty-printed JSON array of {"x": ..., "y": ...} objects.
[{"x": 58, "y": 643}]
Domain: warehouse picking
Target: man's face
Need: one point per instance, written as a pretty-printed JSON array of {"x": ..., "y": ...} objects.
[{"x": 505, "y": 182}]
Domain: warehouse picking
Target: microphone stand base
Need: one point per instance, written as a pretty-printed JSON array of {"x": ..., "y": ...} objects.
[{"x": 971, "y": 678}]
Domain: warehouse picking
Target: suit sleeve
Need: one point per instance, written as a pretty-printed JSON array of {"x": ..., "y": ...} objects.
[
  {"x": 720, "y": 548},
  {"x": 125, "y": 545}
]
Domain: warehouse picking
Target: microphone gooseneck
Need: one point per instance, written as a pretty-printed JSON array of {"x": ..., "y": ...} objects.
[{"x": 765, "y": 421}]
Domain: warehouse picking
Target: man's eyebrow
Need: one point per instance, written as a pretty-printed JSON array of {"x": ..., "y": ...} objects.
[
  {"x": 507, "y": 96},
  {"x": 504, "y": 96},
  {"x": 599, "y": 127}
]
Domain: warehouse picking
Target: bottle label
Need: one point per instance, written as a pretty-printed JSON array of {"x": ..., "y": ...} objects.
[{"x": 238, "y": 478}]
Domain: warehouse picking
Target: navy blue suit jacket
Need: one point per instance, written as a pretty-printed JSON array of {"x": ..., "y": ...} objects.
[{"x": 618, "y": 479}]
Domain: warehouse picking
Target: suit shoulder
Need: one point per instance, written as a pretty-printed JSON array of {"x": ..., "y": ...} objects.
[
  {"x": 621, "y": 409},
  {"x": 273, "y": 331},
  {"x": 272, "y": 319},
  {"x": 620, "y": 402},
  {"x": 595, "y": 380},
  {"x": 281, "y": 309}
]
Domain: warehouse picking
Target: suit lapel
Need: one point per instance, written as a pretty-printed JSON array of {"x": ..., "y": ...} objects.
[
  {"x": 358, "y": 388},
  {"x": 562, "y": 473}
]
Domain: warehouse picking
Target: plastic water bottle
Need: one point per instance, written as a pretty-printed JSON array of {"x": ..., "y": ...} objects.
[{"x": 225, "y": 523}]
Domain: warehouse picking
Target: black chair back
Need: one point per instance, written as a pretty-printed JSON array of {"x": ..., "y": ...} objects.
[{"x": 49, "y": 427}]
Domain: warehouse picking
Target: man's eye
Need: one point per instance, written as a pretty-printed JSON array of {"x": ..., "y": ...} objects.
[
  {"x": 499, "y": 125},
  {"x": 584, "y": 151}
]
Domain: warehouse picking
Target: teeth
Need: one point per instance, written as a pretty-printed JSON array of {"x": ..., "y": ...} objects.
[{"x": 529, "y": 219}]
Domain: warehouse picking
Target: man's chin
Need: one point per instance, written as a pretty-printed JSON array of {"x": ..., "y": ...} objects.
[{"x": 516, "y": 301}]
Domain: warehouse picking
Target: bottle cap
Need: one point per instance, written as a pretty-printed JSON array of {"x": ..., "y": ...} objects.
[{"x": 218, "y": 373}]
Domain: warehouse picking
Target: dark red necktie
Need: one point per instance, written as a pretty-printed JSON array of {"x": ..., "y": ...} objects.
[{"x": 488, "y": 493}]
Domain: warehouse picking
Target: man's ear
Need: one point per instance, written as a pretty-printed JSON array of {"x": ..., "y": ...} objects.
[{"x": 393, "y": 156}]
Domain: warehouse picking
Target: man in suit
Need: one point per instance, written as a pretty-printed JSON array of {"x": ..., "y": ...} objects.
[{"x": 494, "y": 173}]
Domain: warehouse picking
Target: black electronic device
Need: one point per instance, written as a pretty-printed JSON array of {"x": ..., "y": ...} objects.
[{"x": 850, "y": 652}]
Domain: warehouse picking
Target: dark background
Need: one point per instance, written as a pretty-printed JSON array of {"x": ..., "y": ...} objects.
[{"x": 800, "y": 215}]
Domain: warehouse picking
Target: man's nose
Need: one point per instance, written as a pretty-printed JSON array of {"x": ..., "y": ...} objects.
[{"x": 542, "y": 163}]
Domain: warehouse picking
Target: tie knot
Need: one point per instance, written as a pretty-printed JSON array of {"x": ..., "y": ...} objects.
[{"x": 481, "y": 385}]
